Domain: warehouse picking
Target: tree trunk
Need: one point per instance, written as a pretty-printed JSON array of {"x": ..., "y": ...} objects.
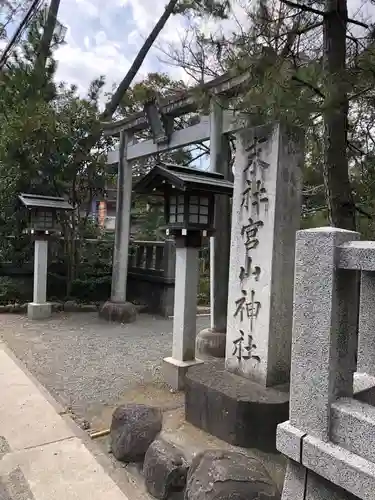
[
  {"x": 124, "y": 85},
  {"x": 336, "y": 172},
  {"x": 46, "y": 40}
]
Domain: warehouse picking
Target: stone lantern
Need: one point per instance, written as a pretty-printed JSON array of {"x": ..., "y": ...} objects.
[
  {"x": 193, "y": 211},
  {"x": 189, "y": 196},
  {"x": 42, "y": 213}
]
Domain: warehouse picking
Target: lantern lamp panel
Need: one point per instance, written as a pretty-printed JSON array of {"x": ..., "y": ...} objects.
[
  {"x": 199, "y": 210},
  {"x": 42, "y": 219}
]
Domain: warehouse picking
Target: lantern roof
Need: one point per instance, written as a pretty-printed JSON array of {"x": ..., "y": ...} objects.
[
  {"x": 38, "y": 201},
  {"x": 184, "y": 179}
]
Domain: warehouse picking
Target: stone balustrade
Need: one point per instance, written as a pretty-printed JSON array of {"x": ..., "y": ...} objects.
[
  {"x": 329, "y": 436},
  {"x": 151, "y": 275}
]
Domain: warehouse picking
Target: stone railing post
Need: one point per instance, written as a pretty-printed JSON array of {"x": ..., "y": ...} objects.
[
  {"x": 324, "y": 329},
  {"x": 325, "y": 317}
]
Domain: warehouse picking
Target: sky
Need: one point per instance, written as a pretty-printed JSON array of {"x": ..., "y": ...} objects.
[{"x": 104, "y": 36}]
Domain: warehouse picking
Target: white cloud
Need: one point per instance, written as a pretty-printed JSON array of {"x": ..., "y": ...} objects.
[
  {"x": 104, "y": 36},
  {"x": 81, "y": 65},
  {"x": 89, "y": 7},
  {"x": 94, "y": 48}
]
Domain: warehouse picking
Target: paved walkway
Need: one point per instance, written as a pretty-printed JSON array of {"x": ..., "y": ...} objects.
[{"x": 41, "y": 455}]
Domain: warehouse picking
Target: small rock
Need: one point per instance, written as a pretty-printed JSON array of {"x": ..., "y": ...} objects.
[
  {"x": 133, "y": 429},
  {"x": 19, "y": 308},
  {"x": 57, "y": 306},
  {"x": 88, "y": 308},
  {"x": 228, "y": 475},
  {"x": 71, "y": 306},
  {"x": 83, "y": 423},
  {"x": 165, "y": 469}
]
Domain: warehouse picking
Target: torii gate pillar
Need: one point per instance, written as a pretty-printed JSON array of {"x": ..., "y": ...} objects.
[
  {"x": 211, "y": 341},
  {"x": 117, "y": 308}
]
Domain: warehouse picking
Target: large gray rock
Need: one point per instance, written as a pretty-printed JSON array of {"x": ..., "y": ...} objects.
[
  {"x": 120, "y": 312},
  {"x": 223, "y": 475},
  {"x": 165, "y": 469},
  {"x": 133, "y": 429}
]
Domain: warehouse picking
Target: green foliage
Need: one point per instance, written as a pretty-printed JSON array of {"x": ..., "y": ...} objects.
[
  {"x": 41, "y": 124},
  {"x": 10, "y": 292},
  {"x": 281, "y": 49},
  {"x": 204, "y": 291},
  {"x": 216, "y": 8},
  {"x": 93, "y": 289}
]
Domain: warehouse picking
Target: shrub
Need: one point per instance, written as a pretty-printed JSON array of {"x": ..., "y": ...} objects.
[
  {"x": 204, "y": 291},
  {"x": 12, "y": 290},
  {"x": 92, "y": 289}
]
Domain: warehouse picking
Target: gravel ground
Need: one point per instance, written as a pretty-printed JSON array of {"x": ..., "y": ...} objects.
[{"x": 86, "y": 362}]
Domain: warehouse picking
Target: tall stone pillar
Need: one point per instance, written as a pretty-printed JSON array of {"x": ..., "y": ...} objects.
[
  {"x": 185, "y": 311},
  {"x": 40, "y": 308},
  {"x": 266, "y": 216},
  {"x": 211, "y": 341},
  {"x": 243, "y": 403},
  {"x": 117, "y": 308}
]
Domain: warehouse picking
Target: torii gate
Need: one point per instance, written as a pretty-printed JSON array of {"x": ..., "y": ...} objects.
[{"x": 214, "y": 127}]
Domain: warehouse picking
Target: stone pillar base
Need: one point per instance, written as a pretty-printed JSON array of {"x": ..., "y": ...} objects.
[
  {"x": 174, "y": 372},
  {"x": 119, "y": 312},
  {"x": 210, "y": 343},
  {"x": 233, "y": 408},
  {"x": 39, "y": 311}
]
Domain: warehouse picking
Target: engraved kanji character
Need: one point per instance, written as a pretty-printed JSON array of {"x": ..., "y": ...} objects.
[
  {"x": 245, "y": 270},
  {"x": 240, "y": 305},
  {"x": 258, "y": 196},
  {"x": 243, "y": 349},
  {"x": 251, "y": 231}
]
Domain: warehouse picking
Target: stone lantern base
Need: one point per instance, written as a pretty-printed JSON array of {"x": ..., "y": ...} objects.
[
  {"x": 211, "y": 343},
  {"x": 39, "y": 311}
]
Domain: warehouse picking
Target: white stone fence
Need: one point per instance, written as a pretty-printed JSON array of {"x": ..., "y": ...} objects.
[{"x": 330, "y": 436}]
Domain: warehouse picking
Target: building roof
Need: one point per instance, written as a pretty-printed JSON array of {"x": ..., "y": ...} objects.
[
  {"x": 184, "y": 179},
  {"x": 38, "y": 201}
]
